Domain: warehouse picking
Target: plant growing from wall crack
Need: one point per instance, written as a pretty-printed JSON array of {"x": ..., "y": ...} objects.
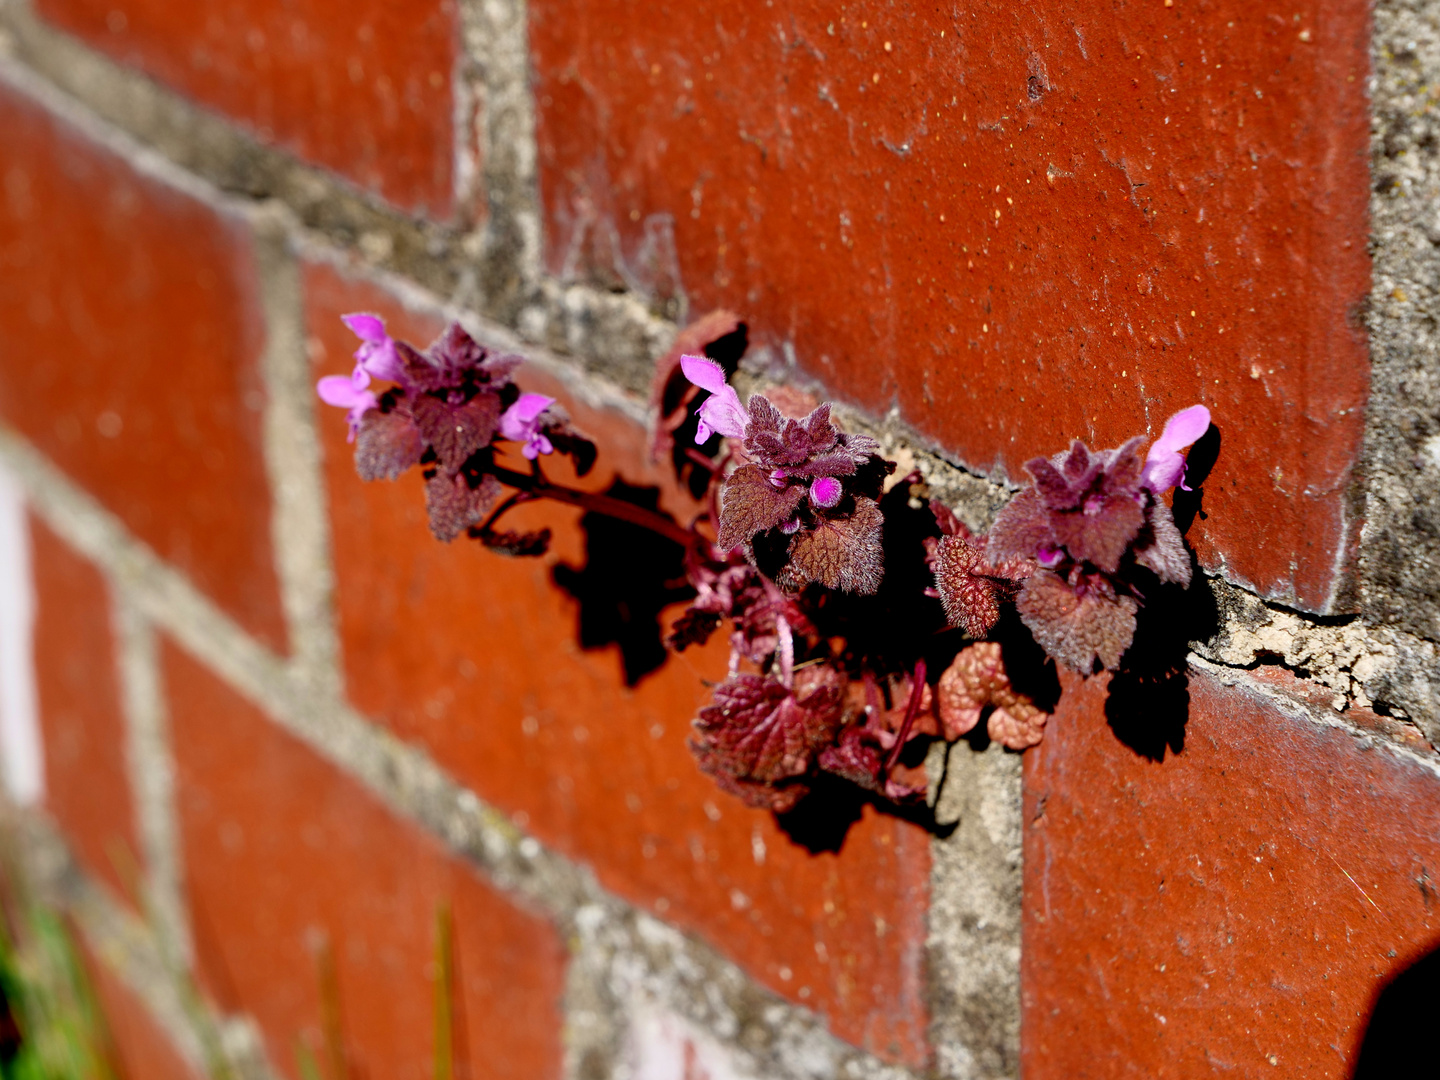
[{"x": 860, "y": 628}]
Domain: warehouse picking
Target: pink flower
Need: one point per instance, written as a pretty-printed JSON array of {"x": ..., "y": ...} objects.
[
  {"x": 722, "y": 410},
  {"x": 1165, "y": 464},
  {"x": 521, "y": 423},
  {"x": 376, "y": 354},
  {"x": 348, "y": 392},
  {"x": 825, "y": 492}
]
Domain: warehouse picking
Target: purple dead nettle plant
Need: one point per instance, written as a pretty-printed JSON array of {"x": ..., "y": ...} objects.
[
  {"x": 795, "y": 524},
  {"x": 1067, "y": 548}
]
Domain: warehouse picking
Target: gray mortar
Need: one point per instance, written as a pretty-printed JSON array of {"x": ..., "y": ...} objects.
[
  {"x": 1400, "y": 542},
  {"x": 151, "y": 775},
  {"x": 974, "y": 932}
]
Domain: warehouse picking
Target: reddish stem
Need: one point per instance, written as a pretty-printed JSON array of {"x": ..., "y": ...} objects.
[
  {"x": 538, "y": 486},
  {"x": 917, "y": 691}
]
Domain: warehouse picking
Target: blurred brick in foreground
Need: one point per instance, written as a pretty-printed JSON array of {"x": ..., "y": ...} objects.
[
  {"x": 141, "y": 1048},
  {"x": 129, "y": 355},
  {"x": 362, "y": 87},
  {"x": 315, "y": 909},
  {"x": 87, "y": 788}
]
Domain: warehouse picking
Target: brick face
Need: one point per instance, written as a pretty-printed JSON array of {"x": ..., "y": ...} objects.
[
  {"x": 361, "y": 87},
  {"x": 129, "y": 356},
  {"x": 1021, "y": 223},
  {"x": 1237, "y": 906},
  {"x": 87, "y": 789},
  {"x": 140, "y": 1049},
  {"x": 475, "y": 658},
  {"x": 288, "y": 861}
]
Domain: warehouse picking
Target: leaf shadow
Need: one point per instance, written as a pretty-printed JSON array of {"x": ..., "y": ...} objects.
[
  {"x": 629, "y": 576},
  {"x": 1148, "y": 703}
]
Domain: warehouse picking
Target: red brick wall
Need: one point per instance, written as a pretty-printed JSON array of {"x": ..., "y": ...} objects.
[{"x": 987, "y": 232}]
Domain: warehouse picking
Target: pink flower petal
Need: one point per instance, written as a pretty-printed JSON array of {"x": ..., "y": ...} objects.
[
  {"x": 339, "y": 390},
  {"x": 825, "y": 492},
  {"x": 366, "y": 326},
  {"x": 1165, "y": 464},
  {"x": 520, "y": 420},
  {"x": 704, "y": 373}
]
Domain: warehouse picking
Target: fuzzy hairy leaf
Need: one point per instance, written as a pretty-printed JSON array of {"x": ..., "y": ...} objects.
[
  {"x": 452, "y": 359},
  {"x": 976, "y": 680},
  {"x": 843, "y": 553},
  {"x": 456, "y": 431},
  {"x": 857, "y": 756},
  {"x": 694, "y": 627},
  {"x": 750, "y": 504},
  {"x": 453, "y": 505},
  {"x": 759, "y": 730},
  {"x": 1160, "y": 547},
  {"x": 519, "y": 544},
  {"x": 777, "y": 796},
  {"x": 1080, "y": 623},
  {"x": 971, "y": 590},
  {"x": 387, "y": 445},
  {"x": 1021, "y": 529},
  {"x": 1101, "y": 530}
]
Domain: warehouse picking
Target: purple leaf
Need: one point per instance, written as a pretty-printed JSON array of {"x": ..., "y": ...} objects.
[
  {"x": 1078, "y": 623},
  {"x": 1099, "y": 531},
  {"x": 751, "y": 504},
  {"x": 389, "y": 443},
  {"x": 453, "y": 505},
  {"x": 1160, "y": 546},
  {"x": 1022, "y": 528},
  {"x": 759, "y": 730},
  {"x": 843, "y": 553},
  {"x": 456, "y": 431},
  {"x": 970, "y": 588}
]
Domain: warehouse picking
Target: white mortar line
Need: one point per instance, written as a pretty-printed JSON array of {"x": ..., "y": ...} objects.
[
  {"x": 21, "y": 748},
  {"x": 152, "y": 777},
  {"x": 299, "y": 521}
]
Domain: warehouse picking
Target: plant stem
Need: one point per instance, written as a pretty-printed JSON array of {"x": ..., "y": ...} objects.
[
  {"x": 917, "y": 691},
  {"x": 537, "y": 486}
]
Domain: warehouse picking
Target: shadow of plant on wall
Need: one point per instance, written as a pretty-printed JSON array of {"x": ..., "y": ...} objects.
[{"x": 864, "y": 622}]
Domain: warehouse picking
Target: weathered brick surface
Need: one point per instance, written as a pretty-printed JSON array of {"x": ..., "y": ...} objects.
[
  {"x": 129, "y": 353},
  {"x": 474, "y": 656},
  {"x": 87, "y": 789},
  {"x": 315, "y": 909},
  {"x": 364, "y": 88},
  {"x": 1235, "y": 907},
  {"x": 140, "y": 1048},
  {"x": 1021, "y": 223}
]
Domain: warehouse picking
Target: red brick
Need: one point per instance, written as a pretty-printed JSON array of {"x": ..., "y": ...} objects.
[
  {"x": 140, "y": 1048},
  {"x": 1188, "y": 223},
  {"x": 284, "y": 854},
  {"x": 87, "y": 788},
  {"x": 130, "y": 354},
  {"x": 1234, "y": 907},
  {"x": 361, "y": 87},
  {"x": 474, "y": 657}
]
